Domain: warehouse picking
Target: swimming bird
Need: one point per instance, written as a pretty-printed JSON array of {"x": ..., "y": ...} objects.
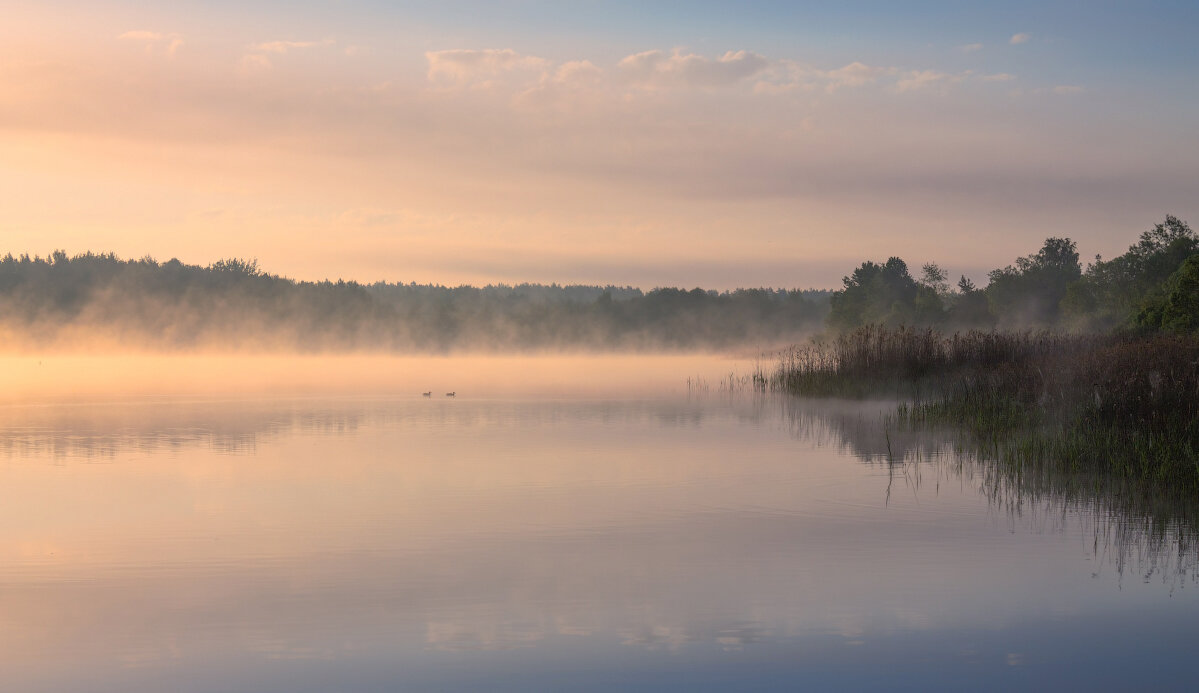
[
  {"x": 427, "y": 394},
  {"x": 449, "y": 394}
]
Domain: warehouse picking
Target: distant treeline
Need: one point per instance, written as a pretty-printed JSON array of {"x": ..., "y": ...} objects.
[
  {"x": 100, "y": 298},
  {"x": 1154, "y": 286}
]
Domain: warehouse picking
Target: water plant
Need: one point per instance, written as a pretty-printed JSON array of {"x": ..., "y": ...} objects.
[{"x": 1120, "y": 404}]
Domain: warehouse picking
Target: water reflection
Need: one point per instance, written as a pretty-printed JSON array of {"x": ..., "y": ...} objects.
[
  {"x": 1133, "y": 526},
  {"x": 476, "y": 542},
  {"x": 1127, "y": 523}
]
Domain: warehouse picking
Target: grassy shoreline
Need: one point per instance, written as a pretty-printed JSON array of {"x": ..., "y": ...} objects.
[{"x": 1123, "y": 406}]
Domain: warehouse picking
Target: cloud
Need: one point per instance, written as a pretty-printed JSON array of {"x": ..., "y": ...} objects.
[
  {"x": 855, "y": 74},
  {"x": 461, "y": 66},
  {"x": 971, "y": 48},
  {"x": 285, "y": 46},
  {"x": 787, "y": 76},
  {"x": 1017, "y": 39},
  {"x": 257, "y": 62},
  {"x": 151, "y": 36},
  {"x": 153, "y": 40},
  {"x": 1061, "y": 90},
  {"x": 921, "y": 79},
  {"x": 655, "y": 68},
  {"x": 578, "y": 72},
  {"x": 536, "y": 80},
  {"x": 843, "y": 151},
  {"x": 254, "y": 63}
]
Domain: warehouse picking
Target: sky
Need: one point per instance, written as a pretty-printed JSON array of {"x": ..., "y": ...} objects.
[{"x": 699, "y": 143}]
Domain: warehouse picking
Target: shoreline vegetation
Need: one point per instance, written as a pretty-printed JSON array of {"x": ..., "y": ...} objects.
[
  {"x": 1104, "y": 424},
  {"x": 1080, "y": 385},
  {"x": 1117, "y": 404}
]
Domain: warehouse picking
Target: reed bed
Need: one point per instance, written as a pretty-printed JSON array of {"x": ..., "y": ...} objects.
[{"x": 1120, "y": 404}]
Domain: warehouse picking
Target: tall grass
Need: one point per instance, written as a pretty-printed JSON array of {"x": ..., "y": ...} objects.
[{"x": 1118, "y": 404}]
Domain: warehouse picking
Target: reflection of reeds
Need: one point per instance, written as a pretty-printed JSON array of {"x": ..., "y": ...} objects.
[
  {"x": 1135, "y": 525},
  {"x": 1119, "y": 405}
]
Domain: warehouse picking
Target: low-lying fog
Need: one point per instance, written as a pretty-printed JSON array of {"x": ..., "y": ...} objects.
[{"x": 33, "y": 378}]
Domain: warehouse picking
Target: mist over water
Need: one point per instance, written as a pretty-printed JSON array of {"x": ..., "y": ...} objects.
[
  {"x": 88, "y": 377},
  {"x": 577, "y": 522}
]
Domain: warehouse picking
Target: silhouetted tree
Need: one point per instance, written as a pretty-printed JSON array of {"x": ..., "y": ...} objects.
[
  {"x": 969, "y": 308},
  {"x": 1029, "y": 292},
  {"x": 883, "y": 294},
  {"x": 1112, "y": 292},
  {"x": 1175, "y": 306}
]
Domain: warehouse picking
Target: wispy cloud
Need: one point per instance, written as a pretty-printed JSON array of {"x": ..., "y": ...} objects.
[
  {"x": 923, "y": 79},
  {"x": 971, "y": 48},
  {"x": 656, "y": 68},
  {"x": 254, "y": 63},
  {"x": 790, "y": 76},
  {"x": 461, "y": 66},
  {"x": 1017, "y": 39},
  {"x": 258, "y": 62},
  {"x": 1060, "y": 90},
  {"x": 153, "y": 41},
  {"x": 285, "y": 46},
  {"x": 845, "y": 147},
  {"x": 535, "y": 78},
  {"x": 855, "y": 74},
  {"x": 150, "y": 36}
]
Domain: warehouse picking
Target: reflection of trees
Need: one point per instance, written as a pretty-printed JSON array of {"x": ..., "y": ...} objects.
[
  {"x": 239, "y": 426},
  {"x": 101, "y": 431}
]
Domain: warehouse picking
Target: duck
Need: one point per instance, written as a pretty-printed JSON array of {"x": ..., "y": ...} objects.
[
  {"x": 427, "y": 394},
  {"x": 450, "y": 394}
]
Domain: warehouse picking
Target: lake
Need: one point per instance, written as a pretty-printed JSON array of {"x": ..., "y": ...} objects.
[{"x": 239, "y": 523}]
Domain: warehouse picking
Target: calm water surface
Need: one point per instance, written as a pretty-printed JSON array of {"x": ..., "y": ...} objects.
[{"x": 655, "y": 539}]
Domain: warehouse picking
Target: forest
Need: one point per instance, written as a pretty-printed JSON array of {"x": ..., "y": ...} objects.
[
  {"x": 98, "y": 299},
  {"x": 1152, "y": 286},
  {"x": 101, "y": 300},
  {"x": 1052, "y": 369}
]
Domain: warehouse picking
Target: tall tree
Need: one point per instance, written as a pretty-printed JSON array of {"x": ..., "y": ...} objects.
[
  {"x": 883, "y": 294},
  {"x": 1030, "y": 292},
  {"x": 1112, "y": 292}
]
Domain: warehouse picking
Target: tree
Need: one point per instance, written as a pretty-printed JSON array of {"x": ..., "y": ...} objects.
[
  {"x": 935, "y": 278},
  {"x": 1030, "y": 292},
  {"x": 1112, "y": 292},
  {"x": 1175, "y": 307},
  {"x": 883, "y": 294},
  {"x": 969, "y": 308}
]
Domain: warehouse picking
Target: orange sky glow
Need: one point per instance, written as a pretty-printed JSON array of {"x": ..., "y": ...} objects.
[{"x": 329, "y": 148}]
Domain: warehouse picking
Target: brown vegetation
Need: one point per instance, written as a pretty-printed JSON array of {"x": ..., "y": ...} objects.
[{"x": 1106, "y": 403}]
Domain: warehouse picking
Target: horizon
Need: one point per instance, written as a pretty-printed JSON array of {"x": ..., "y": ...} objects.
[
  {"x": 685, "y": 144},
  {"x": 978, "y": 276},
  {"x": 266, "y": 271}
]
